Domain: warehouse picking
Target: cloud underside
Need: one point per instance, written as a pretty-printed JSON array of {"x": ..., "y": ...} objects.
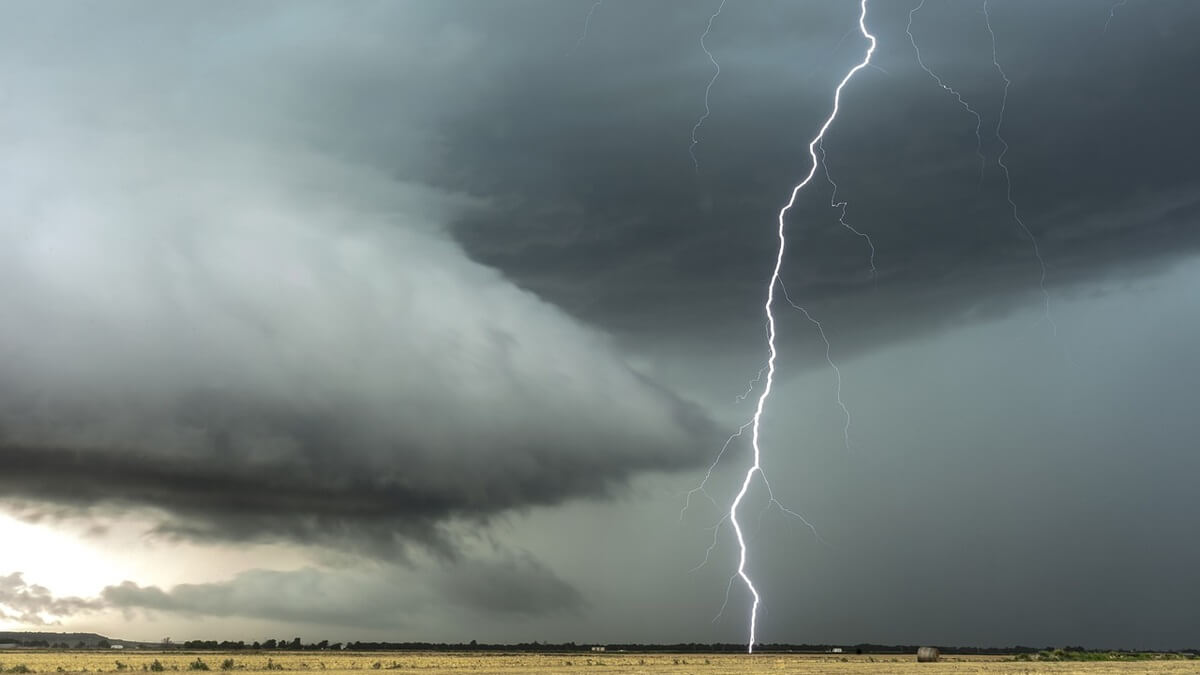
[
  {"x": 506, "y": 586},
  {"x": 514, "y": 586},
  {"x": 1102, "y": 179},
  {"x": 373, "y": 514}
]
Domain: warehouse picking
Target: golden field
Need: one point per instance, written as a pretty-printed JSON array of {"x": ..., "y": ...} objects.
[{"x": 333, "y": 662}]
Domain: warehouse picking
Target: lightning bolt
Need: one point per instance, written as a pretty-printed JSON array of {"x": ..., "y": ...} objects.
[
  {"x": 708, "y": 89},
  {"x": 952, "y": 90},
  {"x": 1037, "y": 252},
  {"x": 1113, "y": 12},
  {"x": 587, "y": 24},
  {"x": 828, "y": 359},
  {"x": 716, "y": 530},
  {"x": 750, "y": 387},
  {"x": 687, "y": 502},
  {"x": 1004, "y": 147},
  {"x": 833, "y": 202},
  {"x": 756, "y": 467}
]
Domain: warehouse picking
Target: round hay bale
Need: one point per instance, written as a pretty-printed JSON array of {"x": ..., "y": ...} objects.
[{"x": 928, "y": 655}]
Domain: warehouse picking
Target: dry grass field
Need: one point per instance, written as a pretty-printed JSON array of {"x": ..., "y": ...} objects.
[{"x": 338, "y": 663}]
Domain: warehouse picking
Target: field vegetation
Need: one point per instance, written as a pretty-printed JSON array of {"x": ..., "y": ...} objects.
[{"x": 24, "y": 662}]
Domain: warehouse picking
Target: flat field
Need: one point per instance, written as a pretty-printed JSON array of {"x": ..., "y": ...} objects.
[{"x": 137, "y": 662}]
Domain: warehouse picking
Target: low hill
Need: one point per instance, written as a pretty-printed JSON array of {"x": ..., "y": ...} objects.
[{"x": 72, "y": 640}]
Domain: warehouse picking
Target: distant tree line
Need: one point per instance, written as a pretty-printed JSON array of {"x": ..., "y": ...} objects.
[{"x": 296, "y": 644}]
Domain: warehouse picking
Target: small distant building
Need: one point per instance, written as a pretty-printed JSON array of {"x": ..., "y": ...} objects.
[
  {"x": 118, "y": 646},
  {"x": 836, "y": 650},
  {"x": 598, "y": 649}
]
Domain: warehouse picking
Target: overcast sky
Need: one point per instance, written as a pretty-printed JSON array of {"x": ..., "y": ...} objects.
[{"x": 415, "y": 320}]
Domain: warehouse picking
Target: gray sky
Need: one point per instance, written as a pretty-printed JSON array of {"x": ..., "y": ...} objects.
[{"x": 415, "y": 321}]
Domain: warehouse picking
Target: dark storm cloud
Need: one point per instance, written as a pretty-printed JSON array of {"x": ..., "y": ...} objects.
[
  {"x": 512, "y": 586},
  {"x": 34, "y": 605},
  {"x": 504, "y": 585},
  {"x": 220, "y": 308},
  {"x": 323, "y": 493},
  {"x": 287, "y": 271},
  {"x": 630, "y": 238}
]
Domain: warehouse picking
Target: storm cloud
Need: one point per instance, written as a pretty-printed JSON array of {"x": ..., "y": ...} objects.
[
  {"x": 501, "y": 585},
  {"x": 509, "y": 586},
  {"x": 425, "y": 307},
  {"x": 1102, "y": 174},
  {"x": 36, "y": 605},
  {"x": 259, "y": 338}
]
